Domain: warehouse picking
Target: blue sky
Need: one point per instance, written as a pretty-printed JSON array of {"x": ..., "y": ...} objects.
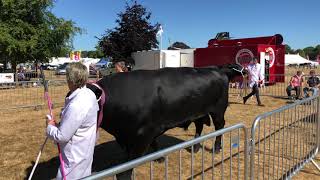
[{"x": 196, "y": 21}]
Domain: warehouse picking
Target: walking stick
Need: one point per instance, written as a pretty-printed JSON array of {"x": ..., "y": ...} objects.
[{"x": 38, "y": 157}]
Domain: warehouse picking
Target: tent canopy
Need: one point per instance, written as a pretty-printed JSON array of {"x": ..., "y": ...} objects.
[
  {"x": 296, "y": 59},
  {"x": 103, "y": 61}
]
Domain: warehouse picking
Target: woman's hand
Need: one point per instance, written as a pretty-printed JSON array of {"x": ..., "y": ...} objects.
[{"x": 50, "y": 120}]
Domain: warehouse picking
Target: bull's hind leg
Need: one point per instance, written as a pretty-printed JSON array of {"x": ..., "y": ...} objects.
[{"x": 219, "y": 123}]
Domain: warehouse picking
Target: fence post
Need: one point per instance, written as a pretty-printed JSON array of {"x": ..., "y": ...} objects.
[
  {"x": 318, "y": 121},
  {"x": 246, "y": 151},
  {"x": 252, "y": 147},
  {"x": 317, "y": 134}
]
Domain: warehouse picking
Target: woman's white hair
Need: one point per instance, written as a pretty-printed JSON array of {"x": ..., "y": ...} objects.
[{"x": 77, "y": 74}]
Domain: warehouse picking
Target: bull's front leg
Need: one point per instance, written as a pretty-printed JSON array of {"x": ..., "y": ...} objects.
[
  {"x": 136, "y": 149},
  {"x": 155, "y": 148},
  {"x": 219, "y": 123}
]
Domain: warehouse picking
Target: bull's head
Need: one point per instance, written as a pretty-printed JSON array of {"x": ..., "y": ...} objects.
[
  {"x": 234, "y": 70},
  {"x": 238, "y": 68}
]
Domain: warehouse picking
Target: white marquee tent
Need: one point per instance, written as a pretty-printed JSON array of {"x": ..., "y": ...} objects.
[
  {"x": 61, "y": 60},
  {"x": 296, "y": 59}
]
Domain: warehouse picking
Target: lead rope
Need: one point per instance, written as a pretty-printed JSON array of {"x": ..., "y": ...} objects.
[
  {"x": 244, "y": 83},
  {"x": 49, "y": 103},
  {"x": 101, "y": 101}
]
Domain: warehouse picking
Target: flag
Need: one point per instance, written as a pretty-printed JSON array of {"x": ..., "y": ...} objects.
[{"x": 160, "y": 31}]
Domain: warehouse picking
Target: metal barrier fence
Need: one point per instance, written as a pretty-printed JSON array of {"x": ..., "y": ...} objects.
[
  {"x": 30, "y": 93},
  {"x": 284, "y": 140},
  {"x": 230, "y": 163},
  {"x": 275, "y": 90},
  {"x": 24, "y": 94},
  {"x": 281, "y": 143},
  {"x": 21, "y": 94}
]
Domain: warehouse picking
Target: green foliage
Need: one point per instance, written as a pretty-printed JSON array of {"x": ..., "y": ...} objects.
[
  {"x": 92, "y": 54},
  {"x": 288, "y": 49},
  {"x": 133, "y": 33},
  {"x": 300, "y": 52},
  {"x": 30, "y": 32},
  {"x": 178, "y": 45},
  {"x": 311, "y": 52}
]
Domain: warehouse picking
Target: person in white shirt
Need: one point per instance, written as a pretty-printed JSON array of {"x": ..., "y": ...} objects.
[
  {"x": 255, "y": 78},
  {"x": 76, "y": 133}
]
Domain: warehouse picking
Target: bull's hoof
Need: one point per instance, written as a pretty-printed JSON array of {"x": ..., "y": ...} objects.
[
  {"x": 127, "y": 175},
  {"x": 217, "y": 148},
  {"x": 196, "y": 148},
  {"x": 160, "y": 160}
]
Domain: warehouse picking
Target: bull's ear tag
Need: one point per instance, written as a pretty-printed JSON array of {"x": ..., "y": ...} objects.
[{"x": 235, "y": 141}]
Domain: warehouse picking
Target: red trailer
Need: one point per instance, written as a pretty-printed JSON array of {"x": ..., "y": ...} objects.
[{"x": 269, "y": 50}]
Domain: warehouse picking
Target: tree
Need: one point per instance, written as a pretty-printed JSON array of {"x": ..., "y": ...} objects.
[
  {"x": 92, "y": 54},
  {"x": 310, "y": 52},
  {"x": 29, "y": 32},
  {"x": 300, "y": 52},
  {"x": 288, "y": 49},
  {"x": 317, "y": 50},
  {"x": 178, "y": 45},
  {"x": 133, "y": 33}
]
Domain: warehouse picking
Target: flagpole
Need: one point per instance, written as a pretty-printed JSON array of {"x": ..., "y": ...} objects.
[
  {"x": 159, "y": 33},
  {"x": 160, "y": 41}
]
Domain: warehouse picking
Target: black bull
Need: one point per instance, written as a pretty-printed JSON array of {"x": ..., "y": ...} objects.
[{"x": 142, "y": 105}]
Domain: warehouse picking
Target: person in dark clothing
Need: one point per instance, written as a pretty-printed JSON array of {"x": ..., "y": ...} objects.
[{"x": 313, "y": 83}]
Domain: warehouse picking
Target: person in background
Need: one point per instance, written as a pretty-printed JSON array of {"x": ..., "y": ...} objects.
[
  {"x": 313, "y": 83},
  {"x": 120, "y": 66},
  {"x": 255, "y": 79},
  {"x": 295, "y": 84},
  {"x": 76, "y": 133}
]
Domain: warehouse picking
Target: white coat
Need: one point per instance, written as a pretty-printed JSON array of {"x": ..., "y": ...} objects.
[
  {"x": 76, "y": 134},
  {"x": 255, "y": 74}
]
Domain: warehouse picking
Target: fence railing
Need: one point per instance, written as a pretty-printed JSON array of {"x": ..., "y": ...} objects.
[
  {"x": 30, "y": 93},
  {"x": 23, "y": 94},
  {"x": 281, "y": 143},
  {"x": 270, "y": 88},
  {"x": 229, "y": 163},
  {"x": 284, "y": 140}
]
